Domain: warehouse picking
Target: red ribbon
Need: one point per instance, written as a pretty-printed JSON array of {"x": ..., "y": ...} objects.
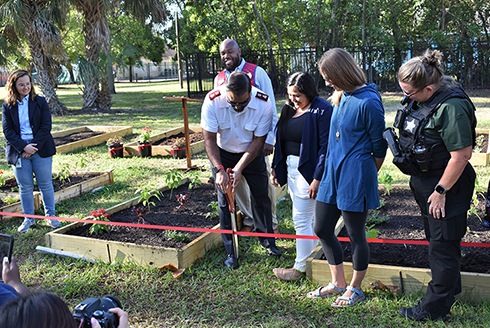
[
  {"x": 174, "y": 150},
  {"x": 142, "y": 146},
  {"x": 239, "y": 233},
  {"x": 112, "y": 150}
]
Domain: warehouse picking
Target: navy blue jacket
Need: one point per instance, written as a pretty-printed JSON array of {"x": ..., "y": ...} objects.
[
  {"x": 40, "y": 121},
  {"x": 314, "y": 142}
]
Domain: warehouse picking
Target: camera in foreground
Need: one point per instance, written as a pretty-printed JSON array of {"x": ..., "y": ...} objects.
[{"x": 99, "y": 309}]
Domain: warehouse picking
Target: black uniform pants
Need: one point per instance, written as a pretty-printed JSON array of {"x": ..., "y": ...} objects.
[
  {"x": 444, "y": 236},
  {"x": 256, "y": 175}
]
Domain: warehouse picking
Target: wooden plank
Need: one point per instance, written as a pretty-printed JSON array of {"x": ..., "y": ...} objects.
[
  {"x": 85, "y": 186},
  {"x": 481, "y": 159},
  {"x": 111, "y": 131},
  {"x": 67, "y": 132}
]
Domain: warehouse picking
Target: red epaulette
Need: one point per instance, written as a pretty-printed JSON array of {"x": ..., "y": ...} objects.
[
  {"x": 262, "y": 96},
  {"x": 214, "y": 94}
]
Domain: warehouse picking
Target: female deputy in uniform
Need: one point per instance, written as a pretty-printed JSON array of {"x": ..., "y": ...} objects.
[
  {"x": 444, "y": 192},
  {"x": 299, "y": 159},
  {"x": 349, "y": 187},
  {"x": 26, "y": 120}
]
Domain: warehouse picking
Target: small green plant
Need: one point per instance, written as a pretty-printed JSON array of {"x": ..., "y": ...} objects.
[
  {"x": 145, "y": 136},
  {"x": 81, "y": 163},
  {"x": 195, "y": 181},
  {"x": 172, "y": 179},
  {"x": 64, "y": 173},
  {"x": 2, "y": 179},
  {"x": 374, "y": 218},
  {"x": 146, "y": 193},
  {"x": 183, "y": 201},
  {"x": 215, "y": 210},
  {"x": 14, "y": 187},
  {"x": 176, "y": 236},
  {"x": 10, "y": 199},
  {"x": 99, "y": 215},
  {"x": 372, "y": 233},
  {"x": 386, "y": 179},
  {"x": 114, "y": 140}
]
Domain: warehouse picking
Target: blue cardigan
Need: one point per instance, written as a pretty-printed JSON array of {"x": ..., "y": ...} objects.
[
  {"x": 350, "y": 179},
  {"x": 40, "y": 121},
  {"x": 314, "y": 141}
]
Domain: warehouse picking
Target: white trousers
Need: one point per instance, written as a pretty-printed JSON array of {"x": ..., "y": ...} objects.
[
  {"x": 242, "y": 198},
  {"x": 303, "y": 213}
]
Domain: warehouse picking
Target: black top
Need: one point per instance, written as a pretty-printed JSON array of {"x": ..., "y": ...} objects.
[{"x": 293, "y": 134}]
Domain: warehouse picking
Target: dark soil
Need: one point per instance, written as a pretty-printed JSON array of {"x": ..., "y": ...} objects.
[
  {"x": 406, "y": 223},
  {"x": 169, "y": 141},
  {"x": 162, "y": 213},
  {"x": 57, "y": 183},
  {"x": 76, "y": 137},
  {"x": 481, "y": 143}
]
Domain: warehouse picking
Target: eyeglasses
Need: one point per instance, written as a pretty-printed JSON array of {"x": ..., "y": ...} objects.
[
  {"x": 412, "y": 93},
  {"x": 234, "y": 104}
]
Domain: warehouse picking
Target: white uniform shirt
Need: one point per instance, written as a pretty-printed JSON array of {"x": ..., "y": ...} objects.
[
  {"x": 263, "y": 83},
  {"x": 235, "y": 131}
]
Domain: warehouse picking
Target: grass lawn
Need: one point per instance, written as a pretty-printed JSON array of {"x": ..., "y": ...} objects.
[{"x": 207, "y": 294}]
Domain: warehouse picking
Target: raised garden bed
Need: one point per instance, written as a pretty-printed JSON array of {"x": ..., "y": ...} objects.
[
  {"x": 481, "y": 153},
  {"x": 408, "y": 265},
  {"x": 107, "y": 132},
  {"x": 161, "y": 148},
  {"x": 79, "y": 183}
]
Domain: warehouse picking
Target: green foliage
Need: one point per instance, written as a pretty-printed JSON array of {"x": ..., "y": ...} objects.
[
  {"x": 176, "y": 236},
  {"x": 374, "y": 218},
  {"x": 172, "y": 179},
  {"x": 372, "y": 233},
  {"x": 99, "y": 215},
  {"x": 195, "y": 180},
  {"x": 386, "y": 179},
  {"x": 146, "y": 192},
  {"x": 215, "y": 210},
  {"x": 64, "y": 173},
  {"x": 10, "y": 199}
]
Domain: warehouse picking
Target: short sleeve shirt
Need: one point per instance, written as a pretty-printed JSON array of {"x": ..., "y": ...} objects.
[
  {"x": 235, "y": 131},
  {"x": 452, "y": 123}
]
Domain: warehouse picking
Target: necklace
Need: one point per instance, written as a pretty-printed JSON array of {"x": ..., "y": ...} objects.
[{"x": 340, "y": 118}]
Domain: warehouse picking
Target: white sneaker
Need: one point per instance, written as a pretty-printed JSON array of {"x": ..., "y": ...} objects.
[
  {"x": 26, "y": 225},
  {"x": 55, "y": 223}
]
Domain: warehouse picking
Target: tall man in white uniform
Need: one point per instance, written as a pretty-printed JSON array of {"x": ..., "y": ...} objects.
[
  {"x": 236, "y": 119},
  {"x": 230, "y": 55}
]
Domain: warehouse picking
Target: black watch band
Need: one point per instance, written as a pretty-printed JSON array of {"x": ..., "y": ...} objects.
[
  {"x": 440, "y": 189},
  {"x": 217, "y": 168}
]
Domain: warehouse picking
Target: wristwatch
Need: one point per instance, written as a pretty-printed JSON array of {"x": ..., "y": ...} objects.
[
  {"x": 217, "y": 168},
  {"x": 440, "y": 189}
]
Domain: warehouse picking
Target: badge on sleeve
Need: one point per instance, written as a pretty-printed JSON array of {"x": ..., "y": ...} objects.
[
  {"x": 262, "y": 96},
  {"x": 214, "y": 94}
]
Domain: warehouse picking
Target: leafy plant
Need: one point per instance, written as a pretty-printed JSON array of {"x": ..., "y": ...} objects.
[
  {"x": 479, "y": 141},
  {"x": 183, "y": 201},
  {"x": 386, "y": 179},
  {"x": 215, "y": 210},
  {"x": 99, "y": 215},
  {"x": 64, "y": 173},
  {"x": 10, "y": 199},
  {"x": 176, "y": 236},
  {"x": 374, "y": 218},
  {"x": 14, "y": 187},
  {"x": 114, "y": 140},
  {"x": 172, "y": 179},
  {"x": 372, "y": 233},
  {"x": 2, "y": 179},
  {"x": 195, "y": 181},
  {"x": 140, "y": 211},
  {"x": 145, "y": 136},
  {"x": 179, "y": 143},
  {"x": 81, "y": 163},
  {"x": 146, "y": 192}
]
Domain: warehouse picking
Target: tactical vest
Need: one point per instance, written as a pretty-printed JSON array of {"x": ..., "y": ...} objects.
[
  {"x": 248, "y": 69},
  {"x": 418, "y": 150}
]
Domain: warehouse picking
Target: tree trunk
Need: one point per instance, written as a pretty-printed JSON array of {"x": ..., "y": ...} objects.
[
  {"x": 104, "y": 100},
  {"x": 92, "y": 48}
]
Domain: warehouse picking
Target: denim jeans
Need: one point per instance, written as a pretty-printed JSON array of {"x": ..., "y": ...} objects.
[
  {"x": 42, "y": 168},
  {"x": 303, "y": 213}
]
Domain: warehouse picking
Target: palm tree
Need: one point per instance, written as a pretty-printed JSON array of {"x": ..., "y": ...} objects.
[
  {"x": 33, "y": 20},
  {"x": 97, "y": 38}
]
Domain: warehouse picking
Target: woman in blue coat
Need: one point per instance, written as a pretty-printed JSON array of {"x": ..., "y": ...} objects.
[
  {"x": 299, "y": 157},
  {"x": 349, "y": 187},
  {"x": 26, "y": 120}
]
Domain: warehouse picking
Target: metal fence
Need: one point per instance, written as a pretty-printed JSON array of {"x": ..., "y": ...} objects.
[{"x": 469, "y": 65}]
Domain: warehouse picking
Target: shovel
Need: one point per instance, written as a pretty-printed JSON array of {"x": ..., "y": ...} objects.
[{"x": 230, "y": 198}]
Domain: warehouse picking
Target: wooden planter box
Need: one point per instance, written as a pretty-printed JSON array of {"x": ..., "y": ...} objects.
[
  {"x": 412, "y": 279},
  {"x": 109, "y": 251},
  {"x": 481, "y": 159},
  {"x": 196, "y": 147},
  {"x": 109, "y": 132},
  {"x": 105, "y": 178}
]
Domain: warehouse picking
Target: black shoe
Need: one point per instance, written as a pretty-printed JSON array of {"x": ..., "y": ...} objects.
[
  {"x": 273, "y": 251},
  {"x": 419, "y": 314},
  {"x": 231, "y": 261}
]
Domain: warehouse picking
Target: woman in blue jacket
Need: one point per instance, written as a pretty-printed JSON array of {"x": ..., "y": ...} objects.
[
  {"x": 349, "y": 187},
  {"x": 26, "y": 120},
  {"x": 299, "y": 157}
]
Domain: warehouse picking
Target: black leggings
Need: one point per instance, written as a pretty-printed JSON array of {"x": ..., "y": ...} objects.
[{"x": 326, "y": 216}]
